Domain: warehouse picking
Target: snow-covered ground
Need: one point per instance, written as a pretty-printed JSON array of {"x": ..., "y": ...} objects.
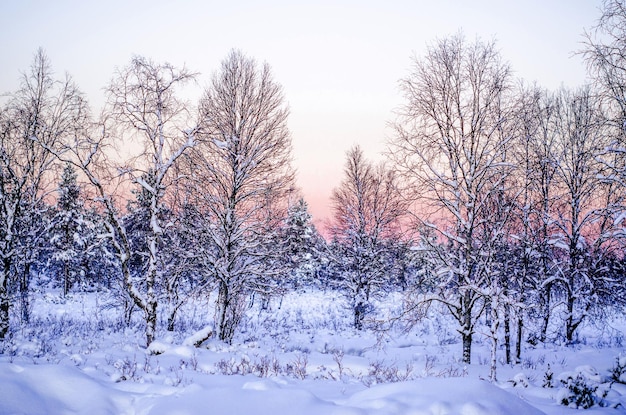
[{"x": 299, "y": 357}]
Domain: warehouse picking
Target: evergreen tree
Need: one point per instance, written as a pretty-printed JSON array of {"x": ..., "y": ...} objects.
[
  {"x": 137, "y": 224},
  {"x": 76, "y": 257},
  {"x": 68, "y": 238},
  {"x": 303, "y": 245}
]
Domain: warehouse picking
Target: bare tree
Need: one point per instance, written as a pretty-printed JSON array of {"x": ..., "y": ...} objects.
[
  {"x": 143, "y": 106},
  {"x": 533, "y": 152},
  {"x": 243, "y": 174},
  {"x": 451, "y": 148},
  {"x": 541, "y": 170},
  {"x": 585, "y": 197},
  {"x": 36, "y": 117},
  {"x": 605, "y": 53},
  {"x": 143, "y": 103},
  {"x": 367, "y": 209}
]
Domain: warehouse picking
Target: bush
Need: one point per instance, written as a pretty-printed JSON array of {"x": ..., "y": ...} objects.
[
  {"x": 618, "y": 371},
  {"x": 578, "y": 393},
  {"x": 548, "y": 378}
]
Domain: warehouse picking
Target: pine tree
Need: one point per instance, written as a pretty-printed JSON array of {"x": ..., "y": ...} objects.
[
  {"x": 137, "y": 224},
  {"x": 303, "y": 244},
  {"x": 68, "y": 238}
]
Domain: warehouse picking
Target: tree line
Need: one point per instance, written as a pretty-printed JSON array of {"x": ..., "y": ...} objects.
[{"x": 499, "y": 201}]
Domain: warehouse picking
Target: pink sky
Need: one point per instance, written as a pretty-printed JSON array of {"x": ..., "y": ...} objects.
[{"x": 338, "y": 61}]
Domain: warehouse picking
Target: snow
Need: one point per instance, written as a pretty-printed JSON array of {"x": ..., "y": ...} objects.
[
  {"x": 44, "y": 389},
  {"x": 435, "y": 396},
  {"x": 303, "y": 357},
  {"x": 221, "y": 144},
  {"x": 199, "y": 337}
]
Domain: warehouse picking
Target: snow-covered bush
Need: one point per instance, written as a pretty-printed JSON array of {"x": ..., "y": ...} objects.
[
  {"x": 582, "y": 388},
  {"x": 577, "y": 393},
  {"x": 298, "y": 368},
  {"x": 520, "y": 381},
  {"x": 548, "y": 378},
  {"x": 381, "y": 373},
  {"x": 126, "y": 370},
  {"x": 618, "y": 371}
]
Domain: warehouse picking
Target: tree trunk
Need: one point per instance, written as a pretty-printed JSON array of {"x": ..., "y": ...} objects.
[
  {"x": 495, "y": 323},
  {"x": 572, "y": 324},
  {"x": 172, "y": 317},
  {"x": 359, "y": 306},
  {"x": 129, "y": 307},
  {"x": 518, "y": 343},
  {"x": 507, "y": 333},
  {"x": 24, "y": 299},
  {"x": 265, "y": 302},
  {"x": 570, "y": 327},
  {"x": 467, "y": 347},
  {"x": 151, "y": 298},
  {"x": 4, "y": 298},
  {"x": 66, "y": 279},
  {"x": 170, "y": 321},
  {"x": 223, "y": 304},
  {"x": 467, "y": 330},
  {"x": 151, "y": 320},
  {"x": 466, "y": 335},
  {"x": 546, "y": 297},
  {"x": 358, "y": 316}
]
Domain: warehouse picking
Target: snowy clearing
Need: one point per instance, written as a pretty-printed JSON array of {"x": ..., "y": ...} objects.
[{"x": 302, "y": 358}]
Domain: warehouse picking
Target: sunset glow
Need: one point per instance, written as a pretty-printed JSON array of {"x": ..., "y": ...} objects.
[{"x": 338, "y": 62}]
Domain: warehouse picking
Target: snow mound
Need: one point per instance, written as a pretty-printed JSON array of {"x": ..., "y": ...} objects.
[
  {"x": 199, "y": 337},
  {"x": 157, "y": 347},
  {"x": 52, "y": 389},
  {"x": 434, "y": 396}
]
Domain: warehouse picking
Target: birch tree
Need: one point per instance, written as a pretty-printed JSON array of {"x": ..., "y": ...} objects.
[
  {"x": 533, "y": 152},
  {"x": 142, "y": 106},
  {"x": 243, "y": 175},
  {"x": 450, "y": 147},
  {"x": 367, "y": 209},
  {"x": 587, "y": 201},
  {"x": 541, "y": 198},
  {"x": 35, "y": 118},
  {"x": 605, "y": 53}
]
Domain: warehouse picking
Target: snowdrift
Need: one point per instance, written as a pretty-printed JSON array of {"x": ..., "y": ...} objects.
[{"x": 59, "y": 389}]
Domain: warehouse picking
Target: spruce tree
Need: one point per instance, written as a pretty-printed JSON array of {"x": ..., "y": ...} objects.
[
  {"x": 303, "y": 245},
  {"x": 68, "y": 237}
]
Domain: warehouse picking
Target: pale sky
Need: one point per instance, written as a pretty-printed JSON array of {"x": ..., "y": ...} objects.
[{"x": 339, "y": 61}]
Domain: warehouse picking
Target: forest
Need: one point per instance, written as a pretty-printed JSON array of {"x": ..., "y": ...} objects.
[{"x": 499, "y": 208}]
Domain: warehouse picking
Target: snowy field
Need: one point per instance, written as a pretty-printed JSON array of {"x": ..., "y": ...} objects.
[{"x": 299, "y": 357}]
